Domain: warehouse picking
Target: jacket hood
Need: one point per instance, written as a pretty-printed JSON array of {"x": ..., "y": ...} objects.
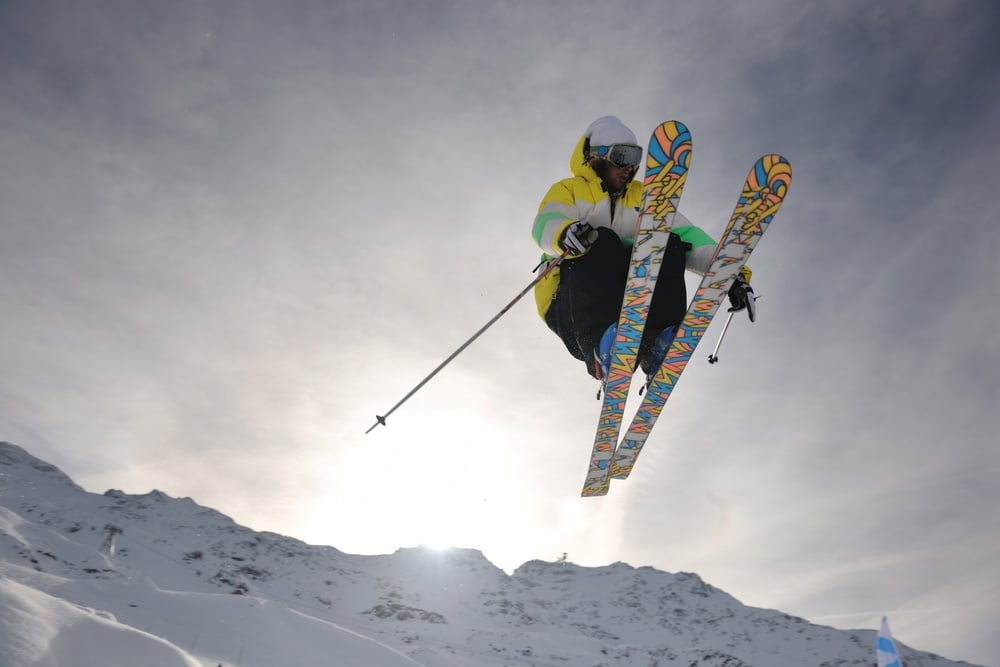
[{"x": 577, "y": 162}]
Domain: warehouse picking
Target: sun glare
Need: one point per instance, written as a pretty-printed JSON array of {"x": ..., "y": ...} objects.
[{"x": 438, "y": 545}]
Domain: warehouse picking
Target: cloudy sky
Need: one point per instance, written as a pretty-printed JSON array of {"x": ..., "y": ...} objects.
[{"x": 232, "y": 233}]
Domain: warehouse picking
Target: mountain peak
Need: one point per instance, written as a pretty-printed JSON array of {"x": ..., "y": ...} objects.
[{"x": 13, "y": 457}]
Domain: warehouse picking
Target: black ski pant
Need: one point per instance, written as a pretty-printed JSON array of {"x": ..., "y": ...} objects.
[{"x": 591, "y": 288}]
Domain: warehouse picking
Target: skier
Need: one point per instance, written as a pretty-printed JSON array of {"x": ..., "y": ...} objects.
[{"x": 593, "y": 217}]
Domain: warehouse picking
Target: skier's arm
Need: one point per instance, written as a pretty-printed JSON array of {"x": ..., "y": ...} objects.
[
  {"x": 699, "y": 258},
  {"x": 556, "y": 213}
]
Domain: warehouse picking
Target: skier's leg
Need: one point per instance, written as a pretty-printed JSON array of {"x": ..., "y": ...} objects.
[
  {"x": 669, "y": 299},
  {"x": 589, "y": 296}
]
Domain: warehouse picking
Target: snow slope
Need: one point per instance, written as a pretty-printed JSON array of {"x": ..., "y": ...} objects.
[{"x": 118, "y": 579}]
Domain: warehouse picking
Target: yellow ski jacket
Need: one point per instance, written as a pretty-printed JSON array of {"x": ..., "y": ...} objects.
[{"x": 583, "y": 197}]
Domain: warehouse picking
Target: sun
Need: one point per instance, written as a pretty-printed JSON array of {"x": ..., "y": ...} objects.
[
  {"x": 441, "y": 524},
  {"x": 424, "y": 484},
  {"x": 438, "y": 544}
]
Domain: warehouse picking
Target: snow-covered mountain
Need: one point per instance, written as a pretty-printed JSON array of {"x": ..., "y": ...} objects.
[{"x": 118, "y": 579}]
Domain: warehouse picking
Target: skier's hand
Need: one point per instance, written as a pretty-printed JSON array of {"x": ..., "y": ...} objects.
[
  {"x": 578, "y": 238},
  {"x": 741, "y": 297}
]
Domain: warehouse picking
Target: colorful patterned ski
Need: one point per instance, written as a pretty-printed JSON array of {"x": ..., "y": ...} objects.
[
  {"x": 762, "y": 195},
  {"x": 667, "y": 162}
]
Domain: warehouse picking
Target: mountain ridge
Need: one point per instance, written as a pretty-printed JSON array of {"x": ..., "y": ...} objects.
[{"x": 151, "y": 561}]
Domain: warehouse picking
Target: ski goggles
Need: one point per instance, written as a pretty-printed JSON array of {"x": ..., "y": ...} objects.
[{"x": 620, "y": 155}]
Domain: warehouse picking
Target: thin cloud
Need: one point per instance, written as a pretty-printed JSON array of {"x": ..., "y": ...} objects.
[{"x": 230, "y": 238}]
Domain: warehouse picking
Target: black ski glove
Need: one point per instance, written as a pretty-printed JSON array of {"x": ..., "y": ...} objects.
[{"x": 741, "y": 297}]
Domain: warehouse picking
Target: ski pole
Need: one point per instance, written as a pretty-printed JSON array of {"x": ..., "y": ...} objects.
[
  {"x": 714, "y": 357},
  {"x": 380, "y": 419}
]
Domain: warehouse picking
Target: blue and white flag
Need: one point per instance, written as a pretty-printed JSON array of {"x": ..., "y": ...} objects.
[{"x": 886, "y": 651}]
